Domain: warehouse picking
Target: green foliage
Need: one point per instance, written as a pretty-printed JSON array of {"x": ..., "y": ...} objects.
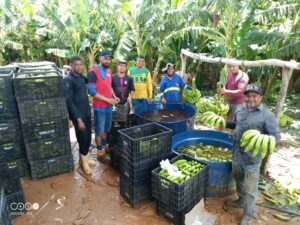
[{"x": 285, "y": 121}]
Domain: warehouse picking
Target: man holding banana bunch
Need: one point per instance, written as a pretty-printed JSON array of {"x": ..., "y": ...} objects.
[{"x": 256, "y": 132}]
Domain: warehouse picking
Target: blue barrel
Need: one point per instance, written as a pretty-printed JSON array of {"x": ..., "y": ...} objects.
[
  {"x": 220, "y": 179},
  {"x": 177, "y": 127}
]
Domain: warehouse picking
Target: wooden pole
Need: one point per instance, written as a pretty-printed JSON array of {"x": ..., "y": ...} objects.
[
  {"x": 183, "y": 64},
  {"x": 257, "y": 63},
  {"x": 285, "y": 80}
]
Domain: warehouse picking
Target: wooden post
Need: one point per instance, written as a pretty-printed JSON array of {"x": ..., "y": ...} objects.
[
  {"x": 286, "y": 77},
  {"x": 156, "y": 71},
  {"x": 183, "y": 65}
]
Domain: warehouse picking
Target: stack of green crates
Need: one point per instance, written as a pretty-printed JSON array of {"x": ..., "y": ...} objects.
[
  {"x": 44, "y": 119},
  {"x": 12, "y": 148},
  {"x": 13, "y": 162}
]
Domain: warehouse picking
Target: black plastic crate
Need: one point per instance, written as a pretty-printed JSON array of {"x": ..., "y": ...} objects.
[
  {"x": 173, "y": 216},
  {"x": 135, "y": 195},
  {"x": 16, "y": 203},
  {"x": 46, "y": 168},
  {"x": 113, "y": 137},
  {"x": 120, "y": 112},
  {"x": 137, "y": 173},
  {"x": 115, "y": 156},
  {"x": 48, "y": 148},
  {"x": 8, "y": 69},
  {"x": 180, "y": 196},
  {"x": 35, "y": 65},
  {"x": 8, "y": 109},
  {"x": 10, "y": 130},
  {"x": 12, "y": 150},
  {"x": 5, "y": 218},
  {"x": 10, "y": 184},
  {"x": 6, "y": 85},
  {"x": 147, "y": 141},
  {"x": 40, "y": 85},
  {"x": 19, "y": 167},
  {"x": 48, "y": 128},
  {"x": 33, "y": 110}
]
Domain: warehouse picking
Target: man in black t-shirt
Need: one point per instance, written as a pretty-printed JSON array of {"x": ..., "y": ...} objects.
[
  {"x": 122, "y": 84},
  {"x": 79, "y": 110}
]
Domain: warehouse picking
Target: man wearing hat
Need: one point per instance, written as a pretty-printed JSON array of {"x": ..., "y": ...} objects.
[
  {"x": 171, "y": 86},
  {"x": 245, "y": 167},
  {"x": 100, "y": 79}
]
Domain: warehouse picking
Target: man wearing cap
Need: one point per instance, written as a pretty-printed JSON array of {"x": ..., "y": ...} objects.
[
  {"x": 245, "y": 167},
  {"x": 122, "y": 84},
  {"x": 171, "y": 86},
  {"x": 100, "y": 79},
  {"x": 142, "y": 82},
  {"x": 235, "y": 86}
]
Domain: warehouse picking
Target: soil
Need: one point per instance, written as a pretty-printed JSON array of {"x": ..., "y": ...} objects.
[{"x": 73, "y": 199}]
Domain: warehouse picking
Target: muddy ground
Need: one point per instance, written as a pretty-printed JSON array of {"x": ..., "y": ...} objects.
[{"x": 72, "y": 199}]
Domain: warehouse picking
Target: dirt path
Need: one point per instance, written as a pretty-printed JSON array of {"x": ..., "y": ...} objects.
[
  {"x": 99, "y": 202},
  {"x": 70, "y": 199}
]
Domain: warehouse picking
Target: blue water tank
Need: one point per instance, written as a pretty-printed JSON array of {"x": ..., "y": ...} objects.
[
  {"x": 220, "y": 179},
  {"x": 177, "y": 127}
]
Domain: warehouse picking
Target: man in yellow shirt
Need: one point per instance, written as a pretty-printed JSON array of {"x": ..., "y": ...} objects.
[{"x": 142, "y": 82}]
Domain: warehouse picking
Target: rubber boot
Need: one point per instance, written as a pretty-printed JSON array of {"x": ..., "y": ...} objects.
[
  {"x": 85, "y": 165},
  {"x": 236, "y": 204}
]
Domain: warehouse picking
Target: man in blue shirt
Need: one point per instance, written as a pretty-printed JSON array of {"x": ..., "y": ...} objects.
[{"x": 171, "y": 86}]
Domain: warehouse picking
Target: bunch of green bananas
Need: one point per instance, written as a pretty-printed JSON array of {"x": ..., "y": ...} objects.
[
  {"x": 285, "y": 121},
  {"x": 253, "y": 139},
  {"x": 214, "y": 120},
  {"x": 217, "y": 106},
  {"x": 192, "y": 96}
]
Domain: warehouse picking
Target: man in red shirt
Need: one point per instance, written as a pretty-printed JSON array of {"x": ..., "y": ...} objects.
[
  {"x": 236, "y": 84},
  {"x": 100, "y": 79}
]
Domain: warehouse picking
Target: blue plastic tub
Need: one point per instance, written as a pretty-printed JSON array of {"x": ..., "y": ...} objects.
[
  {"x": 220, "y": 179},
  {"x": 177, "y": 127}
]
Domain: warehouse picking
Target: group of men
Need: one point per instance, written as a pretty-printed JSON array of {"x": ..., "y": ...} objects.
[{"x": 134, "y": 86}]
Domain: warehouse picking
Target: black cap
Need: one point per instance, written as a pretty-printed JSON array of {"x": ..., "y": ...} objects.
[
  {"x": 106, "y": 54},
  {"x": 253, "y": 88}
]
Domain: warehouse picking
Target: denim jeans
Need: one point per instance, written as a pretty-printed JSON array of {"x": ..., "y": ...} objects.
[
  {"x": 247, "y": 178},
  {"x": 102, "y": 121}
]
